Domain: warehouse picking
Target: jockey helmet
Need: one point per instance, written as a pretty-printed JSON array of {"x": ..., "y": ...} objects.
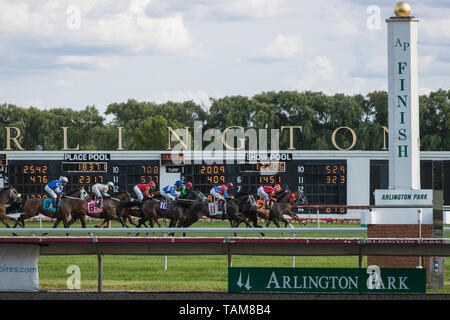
[
  {"x": 230, "y": 185},
  {"x": 110, "y": 184}
]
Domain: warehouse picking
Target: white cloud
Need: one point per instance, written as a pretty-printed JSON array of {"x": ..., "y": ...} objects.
[
  {"x": 322, "y": 75},
  {"x": 345, "y": 28},
  {"x": 90, "y": 29},
  {"x": 284, "y": 47},
  {"x": 256, "y": 9},
  {"x": 60, "y": 83},
  {"x": 198, "y": 96},
  {"x": 435, "y": 29},
  {"x": 86, "y": 61},
  {"x": 322, "y": 67},
  {"x": 220, "y": 9},
  {"x": 425, "y": 91},
  {"x": 137, "y": 32}
]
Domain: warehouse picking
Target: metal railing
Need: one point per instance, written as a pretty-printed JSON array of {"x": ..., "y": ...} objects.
[{"x": 109, "y": 231}]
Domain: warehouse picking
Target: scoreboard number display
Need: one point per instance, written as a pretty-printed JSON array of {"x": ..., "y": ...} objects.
[
  {"x": 82, "y": 170},
  {"x": 324, "y": 182}
]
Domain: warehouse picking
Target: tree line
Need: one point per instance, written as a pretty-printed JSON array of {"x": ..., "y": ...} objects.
[{"x": 145, "y": 123}]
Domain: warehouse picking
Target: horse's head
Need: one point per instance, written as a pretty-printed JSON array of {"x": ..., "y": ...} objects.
[
  {"x": 80, "y": 194},
  {"x": 11, "y": 195},
  {"x": 85, "y": 195},
  {"x": 297, "y": 198}
]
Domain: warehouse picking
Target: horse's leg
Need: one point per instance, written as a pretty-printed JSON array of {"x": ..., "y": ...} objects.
[
  {"x": 130, "y": 220},
  {"x": 72, "y": 221},
  {"x": 123, "y": 221},
  {"x": 101, "y": 224},
  {"x": 294, "y": 216},
  {"x": 83, "y": 221},
  {"x": 20, "y": 221},
  {"x": 275, "y": 221},
  {"x": 286, "y": 223},
  {"x": 5, "y": 222},
  {"x": 58, "y": 220}
]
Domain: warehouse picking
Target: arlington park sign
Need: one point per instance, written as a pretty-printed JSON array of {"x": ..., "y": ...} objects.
[{"x": 330, "y": 280}]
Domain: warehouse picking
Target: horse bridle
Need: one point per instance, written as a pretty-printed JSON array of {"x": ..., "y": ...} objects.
[{"x": 83, "y": 196}]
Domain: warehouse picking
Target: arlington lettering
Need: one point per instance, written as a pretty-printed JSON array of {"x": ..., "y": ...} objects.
[{"x": 351, "y": 280}]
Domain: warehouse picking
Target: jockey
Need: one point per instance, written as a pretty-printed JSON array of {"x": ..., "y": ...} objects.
[
  {"x": 173, "y": 191},
  {"x": 144, "y": 189},
  {"x": 220, "y": 192},
  {"x": 101, "y": 190},
  {"x": 267, "y": 192},
  {"x": 187, "y": 192},
  {"x": 55, "y": 188}
]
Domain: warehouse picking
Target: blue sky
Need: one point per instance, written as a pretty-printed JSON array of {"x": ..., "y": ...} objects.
[{"x": 73, "y": 53}]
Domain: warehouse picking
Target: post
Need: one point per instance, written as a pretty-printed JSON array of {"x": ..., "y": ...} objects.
[
  {"x": 404, "y": 144},
  {"x": 436, "y": 264},
  {"x": 419, "y": 223},
  {"x": 293, "y": 257},
  {"x": 318, "y": 218},
  {"x": 165, "y": 258},
  {"x": 100, "y": 272}
]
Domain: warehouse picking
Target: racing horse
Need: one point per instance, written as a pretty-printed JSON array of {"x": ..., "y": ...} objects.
[
  {"x": 9, "y": 197},
  {"x": 72, "y": 203},
  {"x": 238, "y": 209},
  {"x": 198, "y": 209},
  {"x": 114, "y": 208},
  {"x": 149, "y": 210},
  {"x": 286, "y": 200},
  {"x": 248, "y": 208},
  {"x": 77, "y": 202}
]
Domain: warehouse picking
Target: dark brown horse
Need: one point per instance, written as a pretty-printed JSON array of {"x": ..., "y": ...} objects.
[
  {"x": 114, "y": 209},
  {"x": 71, "y": 207},
  {"x": 247, "y": 208},
  {"x": 281, "y": 207},
  {"x": 151, "y": 211},
  {"x": 8, "y": 197},
  {"x": 77, "y": 203}
]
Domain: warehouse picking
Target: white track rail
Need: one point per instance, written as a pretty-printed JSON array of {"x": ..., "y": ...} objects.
[{"x": 112, "y": 231}]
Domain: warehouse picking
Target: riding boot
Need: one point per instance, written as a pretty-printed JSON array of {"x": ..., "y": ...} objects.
[
  {"x": 223, "y": 208},
  {"x": 170, "y": 203}
]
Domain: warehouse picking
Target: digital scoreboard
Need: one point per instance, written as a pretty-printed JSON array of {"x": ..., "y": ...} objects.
[
  {"x": 324, "y": 182},
  {"x": 82, "y": 170}
]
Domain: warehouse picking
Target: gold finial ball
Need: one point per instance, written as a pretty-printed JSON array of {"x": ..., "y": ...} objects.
[{"x": 402, "y": 9}]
